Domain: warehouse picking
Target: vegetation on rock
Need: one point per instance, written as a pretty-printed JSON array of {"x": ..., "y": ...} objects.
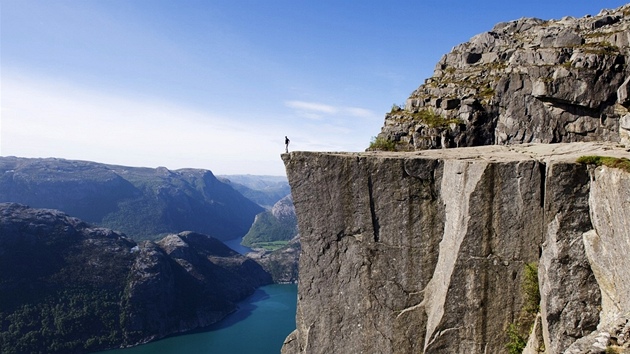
[
  {"x": 274, "y": 228},
  {"x": 267, "y": 231},
  {"x": 516, "y": 83},
  {"x": 382, "y": 144},
  {"x": 608, "y": 161},
  {"x": 519, "y": 330}
]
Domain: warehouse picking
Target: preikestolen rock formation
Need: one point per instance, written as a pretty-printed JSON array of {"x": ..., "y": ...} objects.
[
  {"x": 425, "y": 252},
  {"x": 516, "y": 241}
]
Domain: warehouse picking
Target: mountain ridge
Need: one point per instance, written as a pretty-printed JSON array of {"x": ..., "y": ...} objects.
[
  {"x": 67, "y": 286},
  {"x": 140, "y": 202}
]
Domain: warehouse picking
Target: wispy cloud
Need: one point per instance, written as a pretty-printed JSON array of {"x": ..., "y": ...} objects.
[
  {"x": 358, "y": 112},
  {"x": 315, "y": 110},
  {"x": 312, "y": 107},
  {"x": 49, "y": 117}
]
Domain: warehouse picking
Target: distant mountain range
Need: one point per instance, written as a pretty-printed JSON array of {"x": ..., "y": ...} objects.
[
  {"x": 276, "y": 230},
  {"x": 68, "y": 287},
  {"x": 143, "y": 203},
  {"x": 264, "y": 190}
]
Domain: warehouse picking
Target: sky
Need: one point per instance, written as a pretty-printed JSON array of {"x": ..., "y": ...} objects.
[{"x": 218, "y": 84}]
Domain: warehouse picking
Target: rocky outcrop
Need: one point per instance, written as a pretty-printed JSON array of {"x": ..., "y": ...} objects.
[
  {"x": 183, "y": 282},
  {"x": 66, "y": 286},
  {"x": 271, "y": 226},
  {"x": 525, "y": 81},
  {"x": 425, "y": 252},
  {"x": 277, "y": 224},
  {"x": 283, "y": 263},
  {"x": 143, "y": 203}
]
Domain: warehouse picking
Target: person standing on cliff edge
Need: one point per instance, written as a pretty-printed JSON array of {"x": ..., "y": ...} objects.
[{"x": 286, "y": 144}]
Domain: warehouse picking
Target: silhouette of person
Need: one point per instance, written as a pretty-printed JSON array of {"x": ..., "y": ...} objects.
[{"x": 286, "y": 144}]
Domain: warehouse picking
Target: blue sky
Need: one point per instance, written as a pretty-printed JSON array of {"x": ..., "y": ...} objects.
[{"x": 218, "y": 84}]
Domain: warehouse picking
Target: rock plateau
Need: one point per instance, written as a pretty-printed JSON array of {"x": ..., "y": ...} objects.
[
  {"x": 424, "y": 252},
  {"x": 433, "y": 251}
]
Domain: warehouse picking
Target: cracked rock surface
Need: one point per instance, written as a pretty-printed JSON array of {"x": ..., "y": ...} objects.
[
  {"x": 524, "y": 81},
  {"x": 424, "y": 252}
]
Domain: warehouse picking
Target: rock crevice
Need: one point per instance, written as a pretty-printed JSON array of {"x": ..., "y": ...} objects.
[{"x": 455, "y": 230}]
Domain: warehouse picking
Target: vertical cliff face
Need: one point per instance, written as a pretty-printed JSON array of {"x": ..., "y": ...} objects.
[{"x": 425, "y": 252}]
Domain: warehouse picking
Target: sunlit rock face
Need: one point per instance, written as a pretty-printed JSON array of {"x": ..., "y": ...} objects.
[
  {"x": 424, "y": 252},
  {"x": 524, "y": 81}
]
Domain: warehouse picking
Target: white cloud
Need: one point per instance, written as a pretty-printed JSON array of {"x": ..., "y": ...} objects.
[
  {"x": 358, "y": 112},
  {"x": 319, "y": 111},
  {"x": 48, "y": 118},
  {"x": 312, "y": 107}
]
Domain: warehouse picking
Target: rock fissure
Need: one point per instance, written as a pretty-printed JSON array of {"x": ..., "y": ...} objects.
[
  {"x": 375, "y": 224},
  {"x": 456, "y": 259},
  {"x": 455, "y": 196}
]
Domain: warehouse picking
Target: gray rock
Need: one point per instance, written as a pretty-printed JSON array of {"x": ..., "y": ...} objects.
[
  {"x": 567, "y": 38},
  {"x": 623, "y": 94},
  {"x": 425, "y": 252},
  {"x": 534, "y": 81}
]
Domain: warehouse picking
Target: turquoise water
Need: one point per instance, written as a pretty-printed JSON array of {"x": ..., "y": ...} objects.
[
  {"x": 235, "y": 244},
  {"x": 259, "y": 327}
]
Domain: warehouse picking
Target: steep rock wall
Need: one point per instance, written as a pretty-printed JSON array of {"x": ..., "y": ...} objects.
[{"x": 425, "y": 252}]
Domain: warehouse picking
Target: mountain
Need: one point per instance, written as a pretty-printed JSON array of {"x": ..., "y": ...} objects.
[
  {"x": 264, "y": 190},
  {"x": 512, "y": 238},
  {"x": 274, "y": 236},
  {"x": 140, "y": 202},
  {"x": 282, "y": 263},
  {"x": 524, "y": 81},
  {"x": 68, "y": 287},
  {"x": 277, "y": 224}
]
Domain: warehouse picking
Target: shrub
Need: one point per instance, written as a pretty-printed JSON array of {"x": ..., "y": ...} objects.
[
  {"x": 397, "y": 108},
  {"x": 432, "y": 119},
  {"x": 382, "y": 144},
  {"x": 518, "y": 331},
  {"x": 517, "y": 342},
  {"x": 531, "y": 292},
  {"x": 486, "y": 92},
  {"x": 613, "y": 350}
]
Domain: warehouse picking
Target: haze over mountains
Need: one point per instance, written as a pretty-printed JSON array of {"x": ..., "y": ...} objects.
[
  {"x": 264, "y": 190},
  {"x": 143, "y": 203}
]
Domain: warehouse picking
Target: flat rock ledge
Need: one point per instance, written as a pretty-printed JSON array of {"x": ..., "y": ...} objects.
[{"x": 426, "y": 251}]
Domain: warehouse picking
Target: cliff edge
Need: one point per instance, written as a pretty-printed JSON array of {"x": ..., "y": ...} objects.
[{"x": 428, "y": 252}]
